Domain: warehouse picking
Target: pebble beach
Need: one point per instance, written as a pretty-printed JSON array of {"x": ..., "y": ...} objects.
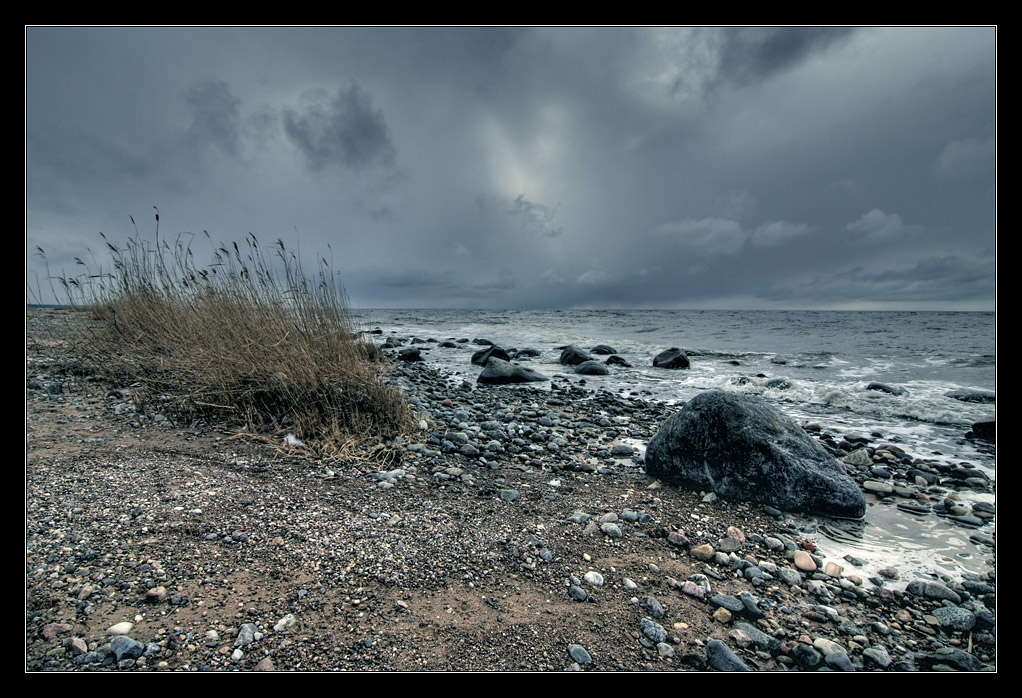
[{"x": 514, "y": 530}]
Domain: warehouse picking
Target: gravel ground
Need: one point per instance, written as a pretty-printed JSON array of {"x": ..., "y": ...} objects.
[{"x": 507, "y": 534}]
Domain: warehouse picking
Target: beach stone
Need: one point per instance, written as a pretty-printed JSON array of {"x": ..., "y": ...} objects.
[
  {"x": 593, "y": 578},
  {"x": 592, "y": 368},
  {"x": 702, "y": 552},
  {"x": 653, "y": 630},
  {"x": 483, "y": 355},
  {"x": 985, "y": 429},
  {"x": 955, "y": 617},
  {"x": 804, "y": 561},
  {"x": 122, "y": 628},
  {"x": 951, "y": 656},
  {"x": 499, "y": 372},
  {"x": 123, "y": 647},
  {"x": 878, "y": 655},
  {"x": 832, "y": 569},
  {"x": 611, "y": 530},
  {"x": 742, "y": 448},
  {"x": 573, "y": 356},
  {"x": 789, "y": 576},
  {"x": 806, "y": 656},
  {"x": 579, "y": 654},
  {"x": 652, "y": 606},
  {"x": 980, "y": 396},
  {"x": 671, "y": 358},
  {"x": 884, "y": 388},
  {"x": 758, "y": 637},
  {"x": 933, "y": 590},
  {"x": 839, "y": 661},
  {"x": 722, "y": 658}
]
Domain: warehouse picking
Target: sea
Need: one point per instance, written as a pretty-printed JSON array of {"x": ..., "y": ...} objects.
[{"x": 827, "y": 359}]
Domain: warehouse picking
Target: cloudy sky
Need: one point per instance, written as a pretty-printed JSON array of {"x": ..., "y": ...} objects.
[{"x": 535, "y": 167}]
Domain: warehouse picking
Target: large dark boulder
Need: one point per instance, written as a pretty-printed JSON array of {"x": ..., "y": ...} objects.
[
  {"x": 671, "y": 358},
  {"x": 603, "y": 349},
  {"x": 499, "y": 372},
  {"x": 592, "y": 368},
  {"x": 985, "y": 429},
  {"x": 483, "y": 355},
  {"x": 742, "y": 448},
  {"x": 573, "y": 356}
]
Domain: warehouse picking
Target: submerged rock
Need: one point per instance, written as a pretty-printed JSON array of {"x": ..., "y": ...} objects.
[
  {"x": 740, "y": 447},
  {"x": 981, "y": 396}
]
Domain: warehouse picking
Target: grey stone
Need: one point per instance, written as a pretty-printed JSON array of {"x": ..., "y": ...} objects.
[
  {"x": 579, "y": 654},
  {"x": 653, "y": 630},
  {"x": 955, "y": 617},
  {"x": 722, "y": 658},
  {"x": 742, "y": 448},
  {"x": 123, "y": 647},
  {"x": 498, "y": 372}
]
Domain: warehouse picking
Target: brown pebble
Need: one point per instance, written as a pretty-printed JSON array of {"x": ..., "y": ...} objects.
[
  {"x": 265, "y": 664},
  {"x": 722, "y": 615}
]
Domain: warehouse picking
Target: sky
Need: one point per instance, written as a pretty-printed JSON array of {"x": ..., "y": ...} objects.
[{"x": 531, "y": 167}]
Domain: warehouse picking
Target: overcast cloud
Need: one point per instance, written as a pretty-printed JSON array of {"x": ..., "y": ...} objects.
[{"x": 536, "y": 167}]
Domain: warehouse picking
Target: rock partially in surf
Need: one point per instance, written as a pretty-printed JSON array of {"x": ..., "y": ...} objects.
[
  {"x": 603, "y": 349},
  {"x": 448, "y": 344},
  {"x": 778, "y": 383},
  {"x": 671, "y": 358},
  {"x": 409, "y": 354},
  {"x": 592, "y": 368},
  {"x": 615, "y": 360},
  {"x": 740, "y": 447},
  {"x": 986, "y": 430},
  {"x": 573, "y": 356},
  {"x": 884, "y": 388},
  {"x": 526, "y": 353},
  {"x": 499, "y": 372},
  {"x": 480, "y": 357},
  {"x": 981, "y": 396}
]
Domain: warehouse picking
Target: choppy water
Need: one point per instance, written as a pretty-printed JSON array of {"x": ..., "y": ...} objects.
[{"x": 828, "y": 358}]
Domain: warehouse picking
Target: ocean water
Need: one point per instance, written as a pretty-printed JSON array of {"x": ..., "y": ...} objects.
[{"x": 827, "y": 359}]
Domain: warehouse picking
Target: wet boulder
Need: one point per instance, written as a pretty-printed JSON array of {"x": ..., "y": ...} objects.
[
  {"x": 483, "y": 355},
  {"x": 980, "y": 396},
  {"x": 740, "y": 447},
  {"x": 573, "y": 356},
  {"x": 499, "y": 372},
  {"x": 671, "y": 358},
  {"x": 591, "y": 368},
  {"x": 885, "y": 388}
]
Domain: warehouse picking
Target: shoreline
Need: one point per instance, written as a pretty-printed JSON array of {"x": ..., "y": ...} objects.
[{"x": 418, "y": 556}]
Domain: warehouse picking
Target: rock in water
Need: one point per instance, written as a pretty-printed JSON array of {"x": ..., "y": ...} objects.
[
  {"x": 499, "y": 372},
  {"x": 573, "y": 356},
  {"x": 740, "y": 447},
  {"x": 671, "y": 358}
]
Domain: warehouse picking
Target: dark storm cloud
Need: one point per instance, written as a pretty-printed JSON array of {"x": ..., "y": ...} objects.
[
  {"x": 944, "y": 278},
  {"x": 346, "y": 130},
  {"x": 748, "y": 54},
  {"x": 215, "y": 116}
]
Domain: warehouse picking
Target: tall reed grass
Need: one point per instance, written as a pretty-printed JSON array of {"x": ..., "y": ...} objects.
[{"x": 248, "y": 338}]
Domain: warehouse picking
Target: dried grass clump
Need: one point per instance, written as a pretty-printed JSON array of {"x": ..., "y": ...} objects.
[{"x": 240, "y": 339}]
